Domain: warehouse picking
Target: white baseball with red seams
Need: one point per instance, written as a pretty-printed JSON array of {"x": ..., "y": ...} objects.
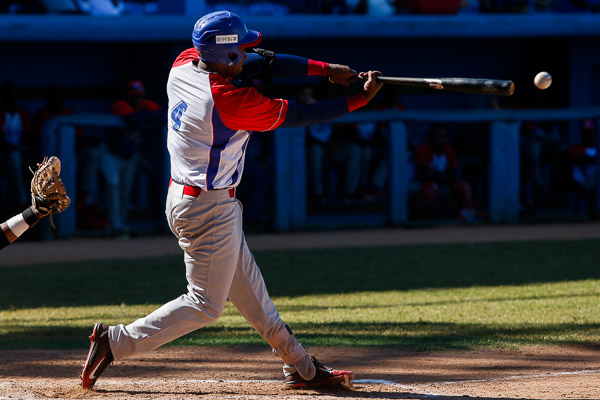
[{"x": 542, "y": 80}]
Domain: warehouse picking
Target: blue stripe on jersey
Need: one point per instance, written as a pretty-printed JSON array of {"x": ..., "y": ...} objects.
[
  {"x": 221, "y": 136},
  {"x": 235, "y": 176}
]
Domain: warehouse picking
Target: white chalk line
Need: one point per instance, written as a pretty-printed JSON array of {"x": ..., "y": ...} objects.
[
  {"x": 517, "y": 377},
  {"x": 368, "y": 381}
]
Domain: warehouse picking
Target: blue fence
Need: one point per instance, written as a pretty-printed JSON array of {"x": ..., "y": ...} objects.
[
  {"x": 58, "y": 138},
  {"x": 290, "y": 159},
  {"x": 503, "y": 162}
]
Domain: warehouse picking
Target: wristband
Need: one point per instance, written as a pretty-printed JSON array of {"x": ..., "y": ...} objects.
[
  {"x": 30, "y": 217},
  {"x": 317, "y": 68},
  {"x": 356, "y": 101}
]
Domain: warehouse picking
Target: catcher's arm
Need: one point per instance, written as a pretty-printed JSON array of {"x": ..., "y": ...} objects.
[
  {"x": 48, "y": 196},
  {"x": 17, "y": 225}
]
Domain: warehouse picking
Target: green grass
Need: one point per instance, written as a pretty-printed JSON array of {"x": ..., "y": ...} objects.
[{"x": 426, "y": 297}]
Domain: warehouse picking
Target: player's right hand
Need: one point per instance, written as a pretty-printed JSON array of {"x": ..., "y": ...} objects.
[
  {"x": 341, "y": 74},
  {"x": 371, "y": 86}
]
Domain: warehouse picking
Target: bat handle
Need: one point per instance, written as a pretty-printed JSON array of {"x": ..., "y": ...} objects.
[{"x": 364, "y": 78}]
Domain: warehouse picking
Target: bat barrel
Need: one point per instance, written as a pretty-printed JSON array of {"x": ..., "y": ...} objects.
[{"x": 463, "y": 85}]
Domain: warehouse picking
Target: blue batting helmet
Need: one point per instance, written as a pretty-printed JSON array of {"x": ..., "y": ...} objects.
[{"x": 218, "y": 35}]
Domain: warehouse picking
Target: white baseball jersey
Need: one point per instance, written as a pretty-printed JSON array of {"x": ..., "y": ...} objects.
[{"x": 209, "y": 124}]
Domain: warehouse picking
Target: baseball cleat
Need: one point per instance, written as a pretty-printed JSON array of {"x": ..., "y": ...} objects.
[
  {"x": 99, "y": 356},
  {"x": 324, "y": 376}
]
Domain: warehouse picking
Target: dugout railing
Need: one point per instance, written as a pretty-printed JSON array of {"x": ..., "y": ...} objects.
[
  {"x": 503, "y": 160},
  {"x": 59, "y": 137},
  {"x": 290, "y": 185}
]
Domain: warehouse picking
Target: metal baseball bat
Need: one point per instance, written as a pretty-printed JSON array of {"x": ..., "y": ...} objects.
[{"x": 463, "y": 85}]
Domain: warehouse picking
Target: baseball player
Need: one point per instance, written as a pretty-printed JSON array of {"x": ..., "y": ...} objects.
[
  {"x": 211, "y": 117},
  {"x": 48, "y": 196}
]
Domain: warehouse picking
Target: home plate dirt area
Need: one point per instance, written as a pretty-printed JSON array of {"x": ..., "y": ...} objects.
[{"x": 255, "y": 373}]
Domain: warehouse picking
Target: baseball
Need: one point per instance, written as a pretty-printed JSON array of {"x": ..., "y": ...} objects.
[{"x": 543, "y": 80}]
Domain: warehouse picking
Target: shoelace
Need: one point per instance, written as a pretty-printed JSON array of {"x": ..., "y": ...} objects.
[{"x": 318, "y": 364}]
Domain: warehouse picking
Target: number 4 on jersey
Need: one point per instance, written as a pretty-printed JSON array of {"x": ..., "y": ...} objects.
[{"x": 176, "y": 113}]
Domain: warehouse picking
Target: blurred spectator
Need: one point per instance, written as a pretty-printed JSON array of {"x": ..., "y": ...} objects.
[
  {"x": 584, "y": 165},
  {"x": 255, "y": 191},
  {"x": 101, "y": 7},
  {"x": 330, "y": 148},
  {"x": 504, "y": 6},
  {"x": 540, "y": 149},
  {"x": 577, "y": 6},
  {"x": 374, "y": 137},
  {"x": 442, "y": 193},
  {"x": 60, "y": 6},
  {"x": 316, "y": 143},
  {"x": 343, "y": 6},
  {"x": 434, "y": 6},
  {"x": 22, "y": 7},
  {"x": 118, "y": 165},
  {"x": 54, "y": 107},
  {"x": 274, "y": 7},
  {"x": 140, "y": 7},
  {"x": 136, "y": 102},
  {"x": 119, "y": 153},
  {"x": 14, "y": 129}
]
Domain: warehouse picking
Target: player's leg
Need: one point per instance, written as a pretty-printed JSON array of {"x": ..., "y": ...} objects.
[
  {"x": 206, "y": 228},
  {"x": 206, "y": 231},
  {"x": 249, "y": 295}
]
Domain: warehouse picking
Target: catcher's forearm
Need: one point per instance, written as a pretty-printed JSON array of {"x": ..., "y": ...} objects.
[{"x": 17, "y": 225}]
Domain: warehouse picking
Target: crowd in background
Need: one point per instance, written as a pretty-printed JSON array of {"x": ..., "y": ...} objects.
[
  {"x": 348, "y": 166},
  {"x": 109, "y": 161},
  {"x": 284, "y": 7},
  {"x": 347, "y": 163}
]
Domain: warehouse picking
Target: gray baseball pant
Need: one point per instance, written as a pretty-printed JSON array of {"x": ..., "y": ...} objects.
[{"x": 219, "y": 265}]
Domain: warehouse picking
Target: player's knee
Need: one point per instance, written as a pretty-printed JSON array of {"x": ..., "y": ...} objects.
[{"x": 212, "y": 310}]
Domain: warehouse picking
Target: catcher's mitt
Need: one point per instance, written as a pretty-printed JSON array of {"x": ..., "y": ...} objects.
[{"x": 48, "y": 194}]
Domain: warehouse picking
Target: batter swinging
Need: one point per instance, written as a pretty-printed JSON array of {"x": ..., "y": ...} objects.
[{"x": 211, "y": 115}]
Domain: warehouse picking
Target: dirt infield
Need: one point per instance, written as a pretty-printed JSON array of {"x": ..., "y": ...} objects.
[
  {"x": 254, "y": 373},
  {"x": 250, "y": 373}
]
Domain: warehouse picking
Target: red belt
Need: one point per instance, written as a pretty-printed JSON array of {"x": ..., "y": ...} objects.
[{"x": 195, "y": 191}]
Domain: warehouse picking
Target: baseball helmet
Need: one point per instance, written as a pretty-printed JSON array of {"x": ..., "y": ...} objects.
[{"x": 218, "y": 35}]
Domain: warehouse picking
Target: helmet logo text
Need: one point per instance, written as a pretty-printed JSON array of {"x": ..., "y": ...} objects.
[{"x": 226, "y": 39}]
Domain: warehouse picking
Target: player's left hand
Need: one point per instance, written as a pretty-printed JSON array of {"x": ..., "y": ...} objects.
[{"x": 341, "y": 74}]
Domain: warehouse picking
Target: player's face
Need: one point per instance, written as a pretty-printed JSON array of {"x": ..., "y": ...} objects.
[{"x": 238, "y": 68}]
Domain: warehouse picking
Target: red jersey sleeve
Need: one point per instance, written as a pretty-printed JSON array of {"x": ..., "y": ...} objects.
[
  {"x": 317, "y": 68},
  {"x": 245, "y": 108},
  {"x": 185, "y": 57}
]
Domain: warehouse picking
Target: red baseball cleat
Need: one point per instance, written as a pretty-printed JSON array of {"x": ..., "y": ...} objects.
[
  {"x": 99, "y": 356},
  {"x": 325, "y": 376}
]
